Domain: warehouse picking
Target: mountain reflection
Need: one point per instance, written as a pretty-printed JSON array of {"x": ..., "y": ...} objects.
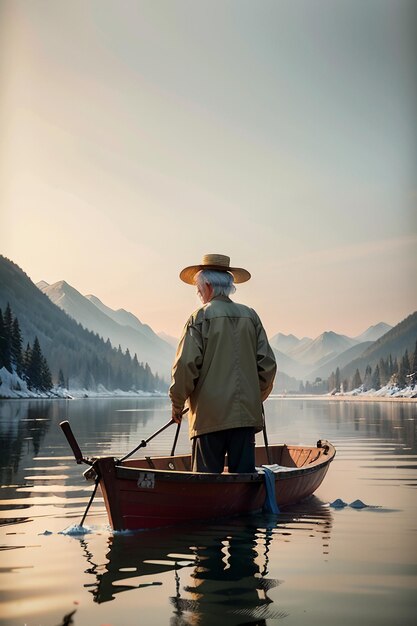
[{"x": 220, "y": 570}]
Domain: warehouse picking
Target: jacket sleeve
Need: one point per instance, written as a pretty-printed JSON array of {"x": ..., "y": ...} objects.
[
  {"x": 267, "y": 365},
  {"x": 187, "y": 365}
]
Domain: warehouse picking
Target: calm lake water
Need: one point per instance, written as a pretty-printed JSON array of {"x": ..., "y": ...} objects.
[{"x": 312, "y": 564}]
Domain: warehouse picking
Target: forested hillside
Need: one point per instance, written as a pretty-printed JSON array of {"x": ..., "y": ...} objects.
[
  {"x": 83, "y": 357},
  {"x": 394, "y": 343}
]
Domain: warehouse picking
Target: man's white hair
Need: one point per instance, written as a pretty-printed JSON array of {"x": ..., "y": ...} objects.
[{"x": 221, "y": 282}]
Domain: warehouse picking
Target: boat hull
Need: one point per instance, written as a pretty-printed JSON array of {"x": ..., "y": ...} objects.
[{"x": 147, "y": 493}]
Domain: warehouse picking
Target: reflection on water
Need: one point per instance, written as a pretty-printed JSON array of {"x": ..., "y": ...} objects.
[
  {"x": 310, "y": 565},
  {"x": 22, "y": 431},
  {"x": 220, "y": 570}
]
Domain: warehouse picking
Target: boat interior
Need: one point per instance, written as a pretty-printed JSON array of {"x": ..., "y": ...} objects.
[{"x": 286, "y": 456}]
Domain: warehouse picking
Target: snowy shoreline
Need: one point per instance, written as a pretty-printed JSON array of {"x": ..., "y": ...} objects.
[
  {"x": 14, "y": 388},
  {"x": 389, "y": 393},
  {"x": 345, "y": 398}
]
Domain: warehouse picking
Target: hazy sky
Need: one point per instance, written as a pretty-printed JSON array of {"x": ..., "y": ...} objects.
[{"x": 137, "y": 136}]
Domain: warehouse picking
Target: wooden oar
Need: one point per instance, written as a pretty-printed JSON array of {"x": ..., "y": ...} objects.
[
  {"x": 145, "y": 442},
  {"x": 174, "y": 445},
  {"x": 268, "y": 456}
]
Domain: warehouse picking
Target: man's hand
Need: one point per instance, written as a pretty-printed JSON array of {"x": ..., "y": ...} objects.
[{"x": 176, "y": 415}]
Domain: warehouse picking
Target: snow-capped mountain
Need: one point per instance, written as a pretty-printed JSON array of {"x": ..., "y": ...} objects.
[{"x": 120, "y": 327}]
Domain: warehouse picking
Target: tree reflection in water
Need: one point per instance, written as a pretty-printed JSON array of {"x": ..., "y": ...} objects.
[{"x": 220, "y": 570}]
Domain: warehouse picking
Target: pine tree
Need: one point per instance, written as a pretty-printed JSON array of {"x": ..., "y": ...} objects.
[
  {"x": 356, "y": 380},
  {"x": 401, "y": 376},
  {"x": 414, "y": 360},
  {"x": 383, "y": 371},
  {"x": 376, "y": 381},
  {"x": 8, "y": 321},
  {"x": 61, "y": 379},
  {"x": 406, "y": 364},
  {"x": 404, "y": 371},
  {"x": 34, "y": 370},
  {"x": 148, "y": 382},
  {"x": 390, "y": 366},
  {"x": 367, "y": 381},
  {"x": 413, "y": 368},
  {"x": 45, "y": 375},
  {"x": 27, "y": 355},
  {"x": 337, "y": 379},
  {"x": 16, "y": 347},
  {"x": 5, "y": 360}
]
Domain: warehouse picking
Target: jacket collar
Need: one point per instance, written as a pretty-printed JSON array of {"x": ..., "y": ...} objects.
[{"x": 222, "y": 298}]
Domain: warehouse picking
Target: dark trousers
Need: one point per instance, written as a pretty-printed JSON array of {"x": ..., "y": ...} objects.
[{"x": 209, "y": 451}]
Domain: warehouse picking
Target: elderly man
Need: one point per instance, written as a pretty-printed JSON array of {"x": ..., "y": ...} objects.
[{"x": 224, "y": 369}]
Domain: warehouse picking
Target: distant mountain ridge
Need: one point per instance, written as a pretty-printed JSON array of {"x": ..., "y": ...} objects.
[
  {"x": 325, "y": 346},
  {"x": 308, "y": 359},
  {"x": 298, "y": 359},
  {"x": 120, "y": 327},
  {"x": 285, "y": 343}
]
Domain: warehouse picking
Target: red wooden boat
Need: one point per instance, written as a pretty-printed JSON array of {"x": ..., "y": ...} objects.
[{"x": 163, "y": 491}]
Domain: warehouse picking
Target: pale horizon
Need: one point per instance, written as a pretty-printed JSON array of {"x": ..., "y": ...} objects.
[
  {"x": 138, "y": 137},
  {"x": 195, "y": 303}
]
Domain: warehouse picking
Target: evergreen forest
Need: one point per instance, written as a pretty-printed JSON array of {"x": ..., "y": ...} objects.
[
  {"x": 109, "y": 367},
  {"x": 29, "y": 364},
  {"x": 397, "y": 372}
]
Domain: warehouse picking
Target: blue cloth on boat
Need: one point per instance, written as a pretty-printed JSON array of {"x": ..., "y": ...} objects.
[{"x": 270, "y": 504}]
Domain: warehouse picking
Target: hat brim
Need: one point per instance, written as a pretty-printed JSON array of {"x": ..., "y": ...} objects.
[{"x": 239, "y": 274}]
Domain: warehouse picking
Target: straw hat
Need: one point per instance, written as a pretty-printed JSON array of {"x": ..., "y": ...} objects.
[{"x": 217, "y": 262}]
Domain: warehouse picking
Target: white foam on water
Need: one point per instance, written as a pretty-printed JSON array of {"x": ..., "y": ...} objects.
[{"x": 75, "y": 530}]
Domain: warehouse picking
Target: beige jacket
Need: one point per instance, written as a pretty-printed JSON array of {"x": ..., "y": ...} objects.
[{"x": 224, "y": 368}]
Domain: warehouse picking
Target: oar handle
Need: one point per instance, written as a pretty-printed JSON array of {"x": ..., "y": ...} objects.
[
  {"x": 177, "y": 432},
  {"x": 66, "y": 429}
]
